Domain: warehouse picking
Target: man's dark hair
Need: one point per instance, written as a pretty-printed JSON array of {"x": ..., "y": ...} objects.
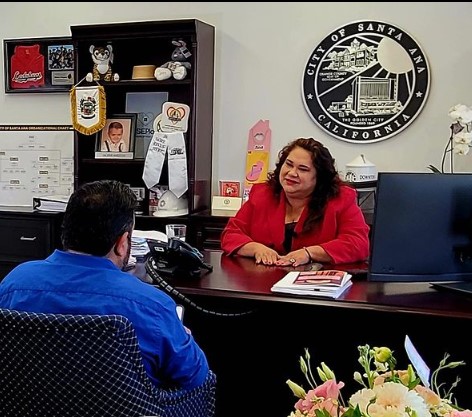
[
  {"x": 327, "y": 177},
  {"x": 97, "y": 214}
]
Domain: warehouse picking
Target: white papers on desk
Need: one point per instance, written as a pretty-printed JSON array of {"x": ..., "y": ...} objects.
[
  {"x": 51, "y": 202},
  {"x": 139, "y": 238},
  {"x": 324, "y": 283},
  {"x": 150, "y": 234}
]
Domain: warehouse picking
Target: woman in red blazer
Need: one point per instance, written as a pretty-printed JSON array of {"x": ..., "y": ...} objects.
[{"x": 304, "y": 212}]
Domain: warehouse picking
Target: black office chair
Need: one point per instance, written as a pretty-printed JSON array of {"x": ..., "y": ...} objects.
[{"x": 75, "y": 366}]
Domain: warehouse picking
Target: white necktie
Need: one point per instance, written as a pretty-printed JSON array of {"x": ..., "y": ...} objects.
[
  {"x": 155, "y": 159},
  {"x": 177, "y": 159}
]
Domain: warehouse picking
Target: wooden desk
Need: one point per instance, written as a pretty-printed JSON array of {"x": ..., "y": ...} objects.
[
  {"x": 262, "y": 348},
  {"x": 241, "y": 278}
]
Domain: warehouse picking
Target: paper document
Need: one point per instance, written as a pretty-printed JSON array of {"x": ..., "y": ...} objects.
[
  {"x": 35, "y": 161},
  {"x": 328, "y": 283},
  {"x": 139, "y": 239},
  {"x": 51, "y": 202},
  {"x": 150, "y": 234}
]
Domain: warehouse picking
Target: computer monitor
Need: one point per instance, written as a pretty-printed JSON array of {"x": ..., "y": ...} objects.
[{"x": 422, "y": 228}]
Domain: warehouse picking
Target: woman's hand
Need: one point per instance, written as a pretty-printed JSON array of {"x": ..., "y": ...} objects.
[
  {"x": 265, "y": 255},
  {"x": 261, "y": 253},
  {"x": 294, "y": 258}
]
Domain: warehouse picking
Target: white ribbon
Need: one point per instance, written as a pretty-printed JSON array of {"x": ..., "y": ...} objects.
[
  {"x": 177, "y": 159},
  {"x": 155, "y": 159}
]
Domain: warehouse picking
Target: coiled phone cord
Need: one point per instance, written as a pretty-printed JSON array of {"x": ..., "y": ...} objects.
[{"x": 157, "y": 279}]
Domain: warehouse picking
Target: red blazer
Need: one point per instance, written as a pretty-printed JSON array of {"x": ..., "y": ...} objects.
[{"x": 343, "y": 232}]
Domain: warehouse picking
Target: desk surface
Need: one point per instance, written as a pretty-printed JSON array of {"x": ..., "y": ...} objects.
[
  {"x": 262, "y": 348},
  {"x": 237, "y": 277}
]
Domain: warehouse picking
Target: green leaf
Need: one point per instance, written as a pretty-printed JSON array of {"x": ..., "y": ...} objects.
[
  {"x": 353, "y": 412},
  {"x": 322, "y": 413},
  {"x": 434, "y": 169}
]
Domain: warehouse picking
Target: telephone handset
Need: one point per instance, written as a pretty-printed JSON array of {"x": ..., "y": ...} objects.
[{"x": 177, "y": 258}]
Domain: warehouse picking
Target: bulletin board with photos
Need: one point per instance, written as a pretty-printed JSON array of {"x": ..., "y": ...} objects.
[{"x": 38, "y": 65}]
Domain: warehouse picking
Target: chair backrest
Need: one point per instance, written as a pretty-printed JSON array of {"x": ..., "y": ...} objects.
[{"x": 77, "y": 365}]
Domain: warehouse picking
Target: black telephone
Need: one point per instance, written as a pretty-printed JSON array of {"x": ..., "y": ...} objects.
[{"x": 175, "y": 259}]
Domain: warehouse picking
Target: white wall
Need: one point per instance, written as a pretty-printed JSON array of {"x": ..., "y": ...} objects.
[{"x": 261, "y": 51}]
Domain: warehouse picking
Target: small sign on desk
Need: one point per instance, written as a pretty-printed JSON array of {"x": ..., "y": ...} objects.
[{"x": 225, "y": 206}]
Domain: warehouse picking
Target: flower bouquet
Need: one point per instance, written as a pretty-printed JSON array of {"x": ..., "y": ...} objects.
[{"x": 386, "y": 392}]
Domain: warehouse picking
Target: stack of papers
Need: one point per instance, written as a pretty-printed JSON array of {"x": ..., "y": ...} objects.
[
  {"x": 328, "y": 283},
  {"x": 139, "y": 239},
  {"x": 51, "y": 202}
]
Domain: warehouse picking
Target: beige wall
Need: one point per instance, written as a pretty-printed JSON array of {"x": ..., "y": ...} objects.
[{"x": 261, "y": 51}]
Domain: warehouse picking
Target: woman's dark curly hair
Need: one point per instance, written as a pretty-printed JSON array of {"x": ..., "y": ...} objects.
[{"x": 327, "y": 177}]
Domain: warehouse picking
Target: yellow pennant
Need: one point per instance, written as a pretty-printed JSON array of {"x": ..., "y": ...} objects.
[{"x": 88, "y": 109}]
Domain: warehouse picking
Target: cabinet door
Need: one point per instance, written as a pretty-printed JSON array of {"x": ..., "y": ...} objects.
[
  {"x": 151, "y": 43},
  {"x": 27, "y": 235},
  {"x": 27, "y": 239}
]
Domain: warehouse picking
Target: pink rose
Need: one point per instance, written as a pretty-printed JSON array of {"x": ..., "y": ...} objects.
[
  {"x": 323, "y": 397},
  {"x": 329, "y": 389}
]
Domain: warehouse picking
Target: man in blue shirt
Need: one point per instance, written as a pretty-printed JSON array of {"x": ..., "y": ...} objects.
[{"x": 87, "y": 278}]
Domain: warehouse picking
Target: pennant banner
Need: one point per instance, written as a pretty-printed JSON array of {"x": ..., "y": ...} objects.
[{"x": 88, "y": 109}]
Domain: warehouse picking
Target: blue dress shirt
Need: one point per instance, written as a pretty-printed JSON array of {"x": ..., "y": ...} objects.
[{"x": 68, "y": 283}]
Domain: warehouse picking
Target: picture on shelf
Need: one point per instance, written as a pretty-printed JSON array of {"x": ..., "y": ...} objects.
[
  {"x": 116, "y": 139},
  {"x": 230, "y": 188}
]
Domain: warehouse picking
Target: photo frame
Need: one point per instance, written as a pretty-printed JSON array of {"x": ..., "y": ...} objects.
[
  {"x": 230, "y": 188},
  {"x": 116, "y": 140},
  {"x": 39, "y": 65}
]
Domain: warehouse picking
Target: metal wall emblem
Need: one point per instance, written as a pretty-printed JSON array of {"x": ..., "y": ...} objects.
[{"x": 366, "y": 82}]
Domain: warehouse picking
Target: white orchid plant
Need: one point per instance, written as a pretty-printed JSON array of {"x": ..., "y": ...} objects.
[{"x": 460, "y": 140}]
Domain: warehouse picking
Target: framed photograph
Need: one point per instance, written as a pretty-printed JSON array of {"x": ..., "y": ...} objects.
[
  {"x": 230, "y": 188},
  {"x": 38, "y": 65},
  {"x": 116, "y": 139}
]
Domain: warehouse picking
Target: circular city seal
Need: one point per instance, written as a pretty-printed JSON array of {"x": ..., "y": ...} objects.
[{"x": 366, "y": 82}]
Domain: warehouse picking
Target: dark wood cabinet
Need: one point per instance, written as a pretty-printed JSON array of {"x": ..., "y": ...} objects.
[
  {"x": 150, "y": 43},
  {"x": 206, "y": 230},
  {"x": 27, "y": 235}
]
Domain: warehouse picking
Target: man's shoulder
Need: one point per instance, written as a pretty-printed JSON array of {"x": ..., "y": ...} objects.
[{"x": 24, "y": 270}]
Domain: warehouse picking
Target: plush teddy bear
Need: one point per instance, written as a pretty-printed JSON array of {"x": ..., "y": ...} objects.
[
  {"x": 178, "y": 67},
  {"x": 102, "y": 59}
]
